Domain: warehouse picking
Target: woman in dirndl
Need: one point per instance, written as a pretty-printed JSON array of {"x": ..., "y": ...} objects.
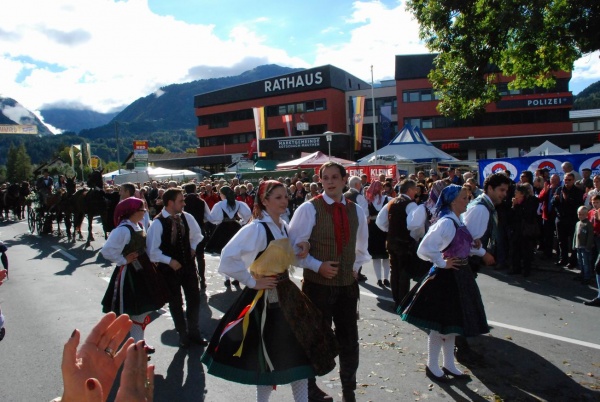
[
  {"x": 447, "y": 301},
  {"x": 377, "y": 237},
  {"x": 135, "y": 288},
  {"x": 272, "y": 334}
]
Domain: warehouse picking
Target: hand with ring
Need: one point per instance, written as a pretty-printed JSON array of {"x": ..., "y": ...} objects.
[{"x": 93, "y": 367}]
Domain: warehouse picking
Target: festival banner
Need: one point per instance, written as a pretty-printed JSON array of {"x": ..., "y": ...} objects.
[
  {"x": 550, "y": 162},
  {"x": 261, "y": 127},
  {"x": 287, "y": 120},
  {"x": 358, "y": 103},
  {"x": 373, "y": 171}
]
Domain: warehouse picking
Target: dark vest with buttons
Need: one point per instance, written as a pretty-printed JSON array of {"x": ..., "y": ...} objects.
[
  {"x": 398, "y": 237},
  {"x": 181, "y": 251}
]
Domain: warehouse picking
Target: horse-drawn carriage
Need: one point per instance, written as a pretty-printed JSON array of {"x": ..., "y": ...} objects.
[{"x": 42, "y": 211}]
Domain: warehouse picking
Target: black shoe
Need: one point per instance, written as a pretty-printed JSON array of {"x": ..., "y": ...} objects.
[
  {"x": 386, "y": 283},
  {"x": 235, "y": 282},
  {"x": 560, "y": 262},
  {"x": 362, "y": 278},
  {"x": 380, "y": 284},
  {"x": 348, "y": 396},
  {"x": 462, "y": 376},
  {"x": 443, "y": 378},
  {"x": 198, "y": 339},
  {"x": 315, "y": 394},
  {"x": 228, "y": 283},
  {"x": 594, "y": 302}
]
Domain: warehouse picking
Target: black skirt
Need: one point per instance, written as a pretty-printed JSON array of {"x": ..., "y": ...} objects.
[
  {"x": 221, "y": 236},
  {"x": 377, "y": 238},
  {"x": 297, "y": 341},
  {"x": 447, "y": 301}
]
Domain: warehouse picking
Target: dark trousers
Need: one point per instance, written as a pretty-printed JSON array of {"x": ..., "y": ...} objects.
[
  {"x": 565, "y": 229},
  {"x": 339, "y": 305},
  {"x": 522, "y": 253},
  {"x": 186, "y": 278},
  {"x": 548, "y": 228},
  {"x": 201, "y": 262},
  {"x": 400, "y": 274}
]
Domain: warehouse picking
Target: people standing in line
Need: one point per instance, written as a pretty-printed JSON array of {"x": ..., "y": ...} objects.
[
  {"x": 567, "y": 199},
  {"x": 135, "y": 287},
  {"x": 229, "y": 215},
  {"x": 583, "y": 245},
  {"x": 381, "y": 258},
  {"x": 338, "y": 235},
  {"x": 355, "y": 195},
  {"x": 447, "y": 301},
  {"x": 481, "y": 220},
  {"x": 400, "y": 245},
  {"x": 171, "y": 243},
  {"x": 295, "y": 342},
  {"x": 525, "y": 229},
  {"x": 196, "y": 206}
]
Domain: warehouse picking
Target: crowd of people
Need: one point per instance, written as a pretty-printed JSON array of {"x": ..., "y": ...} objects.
[{"x": 436, "y": 230}]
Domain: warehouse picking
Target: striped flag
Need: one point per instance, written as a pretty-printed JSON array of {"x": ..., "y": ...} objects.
[
  {"x": 261, "y": 127},
  {"x": 358, "y": 103},
  {"x": 287, "y": 119},
  {"x": 385, "y": 120}
]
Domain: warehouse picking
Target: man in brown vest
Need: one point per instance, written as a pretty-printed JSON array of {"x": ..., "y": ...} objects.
[
  {"x": 401, "y": 247},
  {"x": 337, "y": 231}
]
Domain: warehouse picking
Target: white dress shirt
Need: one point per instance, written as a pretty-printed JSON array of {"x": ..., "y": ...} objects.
[
  {"x": 303, "y": 223},
  {"x": 382, "y": 217},
  {"x": 476, "y": 220},
  {"x": 116, "y": 242},
  {"x": 241, "y": 251},
  {"x": 415, "y": 222},
  {"x": 363, "y": 204},
  {"x": 216, "y": 213},
  {"x": 154, "y": 237}
]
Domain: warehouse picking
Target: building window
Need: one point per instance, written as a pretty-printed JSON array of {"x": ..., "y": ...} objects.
[
  {"x": 420, "y": 95},
  {"x": 501, "y": 152},
  {"x": 586, "y": 126}
]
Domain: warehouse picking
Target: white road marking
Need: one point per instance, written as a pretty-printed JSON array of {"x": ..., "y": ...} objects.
[{"x": 63, "y": 252}]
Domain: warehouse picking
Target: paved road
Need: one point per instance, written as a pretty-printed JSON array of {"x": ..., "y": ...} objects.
[{"x": 544, "y": 343}]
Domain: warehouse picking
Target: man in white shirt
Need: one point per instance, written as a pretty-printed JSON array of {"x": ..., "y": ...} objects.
[
  {"x": 171, "y": 242},
  {"x": 338, "y": 235},
  {"x": 355, "y": 195}
]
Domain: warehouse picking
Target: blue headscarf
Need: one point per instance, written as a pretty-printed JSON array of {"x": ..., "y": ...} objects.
[{"x": 446, "y": 197}]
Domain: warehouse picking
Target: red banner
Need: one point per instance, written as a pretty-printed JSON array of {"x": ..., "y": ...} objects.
[{"x": 372, "y": 171}]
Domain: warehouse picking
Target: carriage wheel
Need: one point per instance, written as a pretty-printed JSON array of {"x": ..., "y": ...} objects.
[
  {"x": 39, "y": 222},
  {"x": 31, "y": 219}
]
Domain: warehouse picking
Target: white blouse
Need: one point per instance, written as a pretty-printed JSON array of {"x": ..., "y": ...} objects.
[
  {"x": 242, "y": 249},
  {"x": 116, "y": 242},
  {"x": 216, "y": 213}
]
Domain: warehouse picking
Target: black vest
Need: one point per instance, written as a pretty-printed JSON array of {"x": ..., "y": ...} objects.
[
  {"x": 195, "y": 207},
  {"x": 181, "y": 251},
  {"x": 398, "y": 236}
]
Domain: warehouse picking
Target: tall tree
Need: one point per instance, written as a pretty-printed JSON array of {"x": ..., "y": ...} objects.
[
  {"x": 18, "y": 167},
  {"x": 527, "y": 39}
]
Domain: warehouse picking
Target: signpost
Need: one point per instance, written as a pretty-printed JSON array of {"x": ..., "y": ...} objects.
[{"x": 140, "y": 154}]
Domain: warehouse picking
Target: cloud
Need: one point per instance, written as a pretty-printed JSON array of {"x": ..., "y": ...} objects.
[
  {"x": 205, "y": 72},
  {"x": 587, "y": 67}
]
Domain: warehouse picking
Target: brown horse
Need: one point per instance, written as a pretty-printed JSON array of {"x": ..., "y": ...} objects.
[{"x": 91, "y": 203}]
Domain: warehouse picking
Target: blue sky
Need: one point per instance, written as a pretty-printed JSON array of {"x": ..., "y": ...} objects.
[{"x": 105, "y": 54}]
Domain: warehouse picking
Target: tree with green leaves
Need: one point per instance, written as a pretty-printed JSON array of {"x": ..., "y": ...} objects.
[
  {"x": 527, "y": 39},
  {"x": 18, "y": 166}
]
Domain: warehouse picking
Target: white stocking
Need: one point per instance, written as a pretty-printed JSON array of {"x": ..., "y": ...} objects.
[
  {"x": 300, "y": 390},
  {"x": 263, "y": 393},
  {"x": 377, "y": 268},
  {"x": 448, "y": 354},
  {"x": 386, "y": 268},
  {"x": 434, "y": 345},
  {"x": 136, "y": 331}
]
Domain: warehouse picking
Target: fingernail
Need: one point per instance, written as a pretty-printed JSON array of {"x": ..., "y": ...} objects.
[
  {"x": 143, "y": 343},
  {"x": 90, "y": 384},
  {"x": 73, "y": 334},
  {"x": 134, "y": 346}
]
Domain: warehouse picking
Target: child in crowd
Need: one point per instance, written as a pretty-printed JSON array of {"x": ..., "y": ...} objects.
[
  {"x": 594, "y": 218},
  {"x": 583, "y": 243}
]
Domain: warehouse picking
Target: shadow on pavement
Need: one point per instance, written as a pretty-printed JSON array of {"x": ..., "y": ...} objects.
[
  {"x": 514, "y": 373},
  {"x": 176, "y": 386}
]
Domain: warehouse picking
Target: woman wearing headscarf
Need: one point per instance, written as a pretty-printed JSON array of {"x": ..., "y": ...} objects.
[
  {"x": 447, "y": 301},
  {"x": 229, "y": 215},
  {"x": 377, "y": 237},
  {"x": 135, "y": 288},
  {"x": 272, "y": 334}
]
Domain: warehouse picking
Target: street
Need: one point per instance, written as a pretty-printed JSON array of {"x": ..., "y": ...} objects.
[{"x": 544, "y": 343}]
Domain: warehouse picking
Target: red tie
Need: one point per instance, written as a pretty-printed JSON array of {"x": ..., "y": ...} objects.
[{"x": 341, "y": 226}]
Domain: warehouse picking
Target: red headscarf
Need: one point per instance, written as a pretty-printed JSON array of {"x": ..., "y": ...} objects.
[{"x": 126, "y": 208}]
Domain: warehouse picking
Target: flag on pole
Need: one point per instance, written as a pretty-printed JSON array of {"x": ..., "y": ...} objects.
[
  {"x": 385, "y": 119},
  {"x": 261, "y": 129},
  {"x": 89, "y": 152},
  {"x": 252, "y": 148},
  {"x": 358, "y": 103},
  {"x": 287, "y": 119},
  {"x": 72, "y": 157}
]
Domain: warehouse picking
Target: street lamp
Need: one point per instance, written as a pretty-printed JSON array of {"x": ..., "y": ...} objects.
[{"x": 329, "y": 137}]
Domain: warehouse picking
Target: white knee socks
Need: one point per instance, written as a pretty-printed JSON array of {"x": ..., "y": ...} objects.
[
  {"x": 448, "y": 354},
  {"x": 377, "y": 268},
  {"x": 377, "y": 265},
  {"x": 299, "y": 390},
  {"x": 434, "y": 345}
]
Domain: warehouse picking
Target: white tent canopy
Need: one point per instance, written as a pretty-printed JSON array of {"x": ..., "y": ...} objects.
[
  {"x": 410, "y": 144},
  {"x": 594, "y": 149},
  {"x": 154, "y": 173},
  {"x": 547, "y": 148}
]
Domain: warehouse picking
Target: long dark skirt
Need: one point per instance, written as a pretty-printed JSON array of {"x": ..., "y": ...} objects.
[
  {"x": 447, "y": 301},
  {"x": 221, "y": 236},
  {"x": 377, "y": 239},
  {"x": 297, "y": 340}
]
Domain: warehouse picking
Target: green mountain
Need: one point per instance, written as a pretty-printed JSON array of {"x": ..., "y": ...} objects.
[{"x": 589, "y": 98}]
